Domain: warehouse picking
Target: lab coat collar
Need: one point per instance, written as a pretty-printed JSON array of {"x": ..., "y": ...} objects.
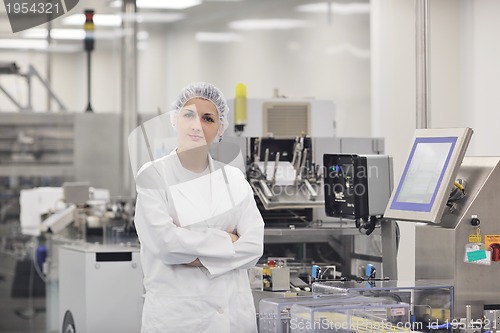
[
  {"x": 210, "y": 160},
  {"x": 218, "y": 186}
]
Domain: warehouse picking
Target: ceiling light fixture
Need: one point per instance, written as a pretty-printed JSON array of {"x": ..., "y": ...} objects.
[
  {"x": 217, "y": 37},
  {"x": 23, "y": 44},
  {"x": 105, "y": 20},
  {"x": 337, "y": 8},
  {"x": 159, "y": 17},
  {"x": 115, "y": 4},
  {"x": 348, "y": 49},
  {"x": 267, "y": 24},
  {"x": 160, "y": 4},
  {"x": 168, "y": 4},
  {"x": 70, "y": 34},
  {"x": 78, "y": 34}
]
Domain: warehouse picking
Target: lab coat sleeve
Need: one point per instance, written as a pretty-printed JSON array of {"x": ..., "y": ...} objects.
[
  {"x": 250, "y": 245},
  {"x": 173, "y": 244}
]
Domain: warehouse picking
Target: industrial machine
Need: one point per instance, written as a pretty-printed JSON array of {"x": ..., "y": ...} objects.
[
  {"x": 358, "y": 187},
  {"x": 278, "y": 138},
  {"x": 292, "y": 203},
  {"x": 283, "y": 173},
  {"x": 283, "y": 142},
  {"x": 90, "y": 212},
  {"x": 100, "y": 288},
  {"x": 47, "y": 149},
  {"x": 75, "y": 214},
  {"x": 39, "y": 152},
  {"x": 454, "y": 198}
]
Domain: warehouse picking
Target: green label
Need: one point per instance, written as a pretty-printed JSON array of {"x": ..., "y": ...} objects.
[{"x": 476, "y": 255}]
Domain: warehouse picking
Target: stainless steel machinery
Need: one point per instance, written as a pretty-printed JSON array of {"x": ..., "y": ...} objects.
[
  {"x": 296, "y": 223},
  {"x": 46, "y": 149},
  {"x": 455, "y": 199},
  {"x": 283, "y": 142},
  {"x": 446, "y": 250},
  {"x": 100, "y": 288}
]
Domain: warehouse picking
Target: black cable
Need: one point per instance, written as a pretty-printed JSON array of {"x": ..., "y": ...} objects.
[
  {"x": 367, "y": 225},
  {"x": 372, "y": 224},
  {"x": 398, "y": 234}
]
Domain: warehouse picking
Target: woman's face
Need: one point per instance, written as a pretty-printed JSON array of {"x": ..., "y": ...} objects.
[{"x": 197, "y": 123}]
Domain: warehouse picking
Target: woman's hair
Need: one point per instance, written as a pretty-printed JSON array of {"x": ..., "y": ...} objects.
[{"x": 205, "y": 91}]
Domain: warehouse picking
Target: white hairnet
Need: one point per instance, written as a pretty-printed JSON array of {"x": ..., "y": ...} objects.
[
  {"x": 155, "y": 138},
  {"x": 206, "y": 91}
]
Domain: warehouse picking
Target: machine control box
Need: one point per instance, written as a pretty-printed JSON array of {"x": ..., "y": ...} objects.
[{"x": 356, "y": 186}]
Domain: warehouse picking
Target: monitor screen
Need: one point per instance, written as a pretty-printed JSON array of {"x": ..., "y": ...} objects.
[
  {"x": 423, "y": 174},
  {"x": 430, "y": 170}
]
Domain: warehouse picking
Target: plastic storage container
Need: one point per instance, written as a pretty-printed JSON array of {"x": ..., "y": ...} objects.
[
  {"x": 275, "y": 314},
  {"x": 362, "y": 314},
  {"x": 431, "y": 302}
]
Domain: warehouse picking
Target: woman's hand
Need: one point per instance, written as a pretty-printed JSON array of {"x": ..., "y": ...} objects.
[{"x": 234, "y": 237}]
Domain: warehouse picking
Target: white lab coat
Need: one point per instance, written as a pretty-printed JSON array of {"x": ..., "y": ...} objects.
[{"x": 178, "y": 221}]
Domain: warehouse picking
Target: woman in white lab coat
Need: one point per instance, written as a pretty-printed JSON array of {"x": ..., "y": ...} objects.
[{"x": 199, "y": 228}]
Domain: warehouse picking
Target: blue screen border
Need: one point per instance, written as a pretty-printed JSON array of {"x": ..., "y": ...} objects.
[{"x": 423, "y": 207}]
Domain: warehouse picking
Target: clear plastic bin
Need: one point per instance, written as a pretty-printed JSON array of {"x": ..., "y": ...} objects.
[
  {"x": 372, "y": 315},
  {"x": 431, "y": 302},
  {"x": 275, "y": 313}
]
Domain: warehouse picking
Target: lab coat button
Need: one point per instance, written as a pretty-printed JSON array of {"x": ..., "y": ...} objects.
[{"x": 220, "y": 310}]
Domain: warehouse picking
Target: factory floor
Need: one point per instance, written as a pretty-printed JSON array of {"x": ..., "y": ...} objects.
[{"x": 18, "y": 312}]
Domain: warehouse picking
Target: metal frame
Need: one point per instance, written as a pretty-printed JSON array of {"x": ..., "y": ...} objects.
[{"x": 29, "y": 106}]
